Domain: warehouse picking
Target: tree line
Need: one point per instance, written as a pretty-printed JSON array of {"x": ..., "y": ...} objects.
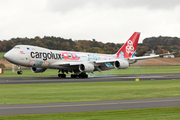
[
  {"x": 58, "y": 43},
  {"x": 158, "y": 44},
  {"x": 163, "y": 44}
]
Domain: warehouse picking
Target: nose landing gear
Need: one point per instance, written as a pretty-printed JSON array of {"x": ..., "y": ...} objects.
[{"x": 19, "y": 72}]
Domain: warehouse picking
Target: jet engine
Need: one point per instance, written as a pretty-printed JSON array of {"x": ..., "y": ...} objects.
[
  {"x": 38, "y": 70},
  {"x": 86, "y": 67},
  {"x": 132, "y": 61},
  {"x": 121, "y": 64}
]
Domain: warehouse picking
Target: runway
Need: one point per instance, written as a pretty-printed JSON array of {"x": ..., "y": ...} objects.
[
  {"x": 87, "y": 106},
  {"x": 55, "y": 79}
]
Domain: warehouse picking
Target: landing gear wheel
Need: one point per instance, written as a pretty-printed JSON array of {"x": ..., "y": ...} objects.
[
  {"x": 19, "y": 72},
  {"x": 62, "y": 75},
  {"x": 74, "y": 76},
  {"x": 86, "y": 76},
  {"x": 83, "y": 75}
]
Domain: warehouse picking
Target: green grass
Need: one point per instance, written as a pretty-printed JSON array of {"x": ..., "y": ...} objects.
[
  {"x": 2, "y": 54},
  {"x": 94, "y": 91},
  {"x": 130, "y": 70},
  {"x": 168, "y": 113},
  {"x": 143, "y": 70},
  {"x": 29, "y": 73}
]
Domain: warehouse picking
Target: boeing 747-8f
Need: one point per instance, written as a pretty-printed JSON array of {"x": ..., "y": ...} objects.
[{"x": 78, "y": 63}]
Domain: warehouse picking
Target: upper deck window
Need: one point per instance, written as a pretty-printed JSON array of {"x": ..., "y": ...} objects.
[{"x": 16, "y": 48}]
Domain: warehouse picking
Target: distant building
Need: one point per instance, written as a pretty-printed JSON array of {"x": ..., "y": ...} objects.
[
  {"x": 149, "y": 53},
  {"x": 169, "y": 55}
]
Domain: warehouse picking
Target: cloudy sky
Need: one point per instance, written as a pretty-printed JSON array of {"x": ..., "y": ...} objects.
[{"x": 103, "y": 20}]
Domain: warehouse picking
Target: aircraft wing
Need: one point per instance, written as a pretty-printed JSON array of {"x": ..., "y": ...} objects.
[
  {"x": 105, "y": 61},
  {"x": 79, "y": 63},
  {"x": 148, "y": 57},
  {"x": 66, "y": 63},
  {"x": 144, "y": 57}
]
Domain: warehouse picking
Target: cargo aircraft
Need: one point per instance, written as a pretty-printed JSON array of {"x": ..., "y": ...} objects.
[{"x": 78, "y": 63}]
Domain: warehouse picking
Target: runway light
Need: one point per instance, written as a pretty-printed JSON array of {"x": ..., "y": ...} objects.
[
  {"x": 137, "y": 79},
  {"x": 133, "y": 98},
  {"x": 152, "y": 79},
  {"x": 141, "y": 107},
  {"x": 4, "y": 102}
]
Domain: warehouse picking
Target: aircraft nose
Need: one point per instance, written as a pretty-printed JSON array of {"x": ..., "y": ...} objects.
[
  {"x": 7, "y": 56},
  {"x": 12, "y": 56}
]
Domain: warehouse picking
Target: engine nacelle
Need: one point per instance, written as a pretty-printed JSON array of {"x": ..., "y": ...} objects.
[
  {"x": 132, "y": 61},
  {"x": 121, "y": 64},
  {"x": 38, "y": 70},
  {"x": 86, "y": 67}
]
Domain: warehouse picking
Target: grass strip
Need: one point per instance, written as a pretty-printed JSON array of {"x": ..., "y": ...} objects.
[
  {"x": 168, "y": 113},
  {"x": 2, "y": 54},
  {"x": 93, "y": 91},
  {"x": 29, "y": 73},
  {"x": 130, "y": 70}
]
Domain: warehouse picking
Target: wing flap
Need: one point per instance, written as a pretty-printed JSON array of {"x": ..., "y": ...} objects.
[
  {"x": 66, "y": 63},
  {"x": 148, "y": 57},
  {"x": 105, "y": 61},
  {"x": 144, "y": 57}
]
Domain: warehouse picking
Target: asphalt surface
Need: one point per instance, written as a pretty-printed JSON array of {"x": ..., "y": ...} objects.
[
  {"x": 55, "y": 79},
  {"x": 87, "y": 106}
]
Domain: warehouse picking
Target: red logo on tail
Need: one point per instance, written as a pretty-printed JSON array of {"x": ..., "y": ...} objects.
[{"x": 130, "y": 46}]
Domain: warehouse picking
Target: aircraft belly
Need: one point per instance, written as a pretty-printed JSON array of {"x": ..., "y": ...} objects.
[{"x": 69, "y": 68}]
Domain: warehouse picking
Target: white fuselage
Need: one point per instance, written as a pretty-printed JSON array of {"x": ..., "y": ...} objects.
[{"x": 33, "y": 56}]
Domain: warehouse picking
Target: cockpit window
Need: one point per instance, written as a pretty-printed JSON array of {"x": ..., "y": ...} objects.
[{"x": 16, "y": 48}]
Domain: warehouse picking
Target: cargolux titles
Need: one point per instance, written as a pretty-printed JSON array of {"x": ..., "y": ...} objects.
[{"x": 45, "y": 56}]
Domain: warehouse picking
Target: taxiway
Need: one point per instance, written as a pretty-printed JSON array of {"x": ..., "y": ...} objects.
[{"x": 87, "y": 106}]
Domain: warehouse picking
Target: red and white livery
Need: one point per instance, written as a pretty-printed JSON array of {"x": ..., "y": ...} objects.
[{"x": 78, "y": 63}]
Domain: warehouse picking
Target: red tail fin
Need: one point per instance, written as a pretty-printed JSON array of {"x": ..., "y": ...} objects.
[{"x": 129, "y": 48}]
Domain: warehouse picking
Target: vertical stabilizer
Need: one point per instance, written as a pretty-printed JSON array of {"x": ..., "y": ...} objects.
[{"x": 129, "y": 48}]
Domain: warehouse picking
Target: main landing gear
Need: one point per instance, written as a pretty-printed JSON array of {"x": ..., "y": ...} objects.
[
  {"x": 75, "y": 75},
  {"x": 62, "y": 75},
  {"x": 19, "y": 72},
  {"x": 81, "y": 75}
]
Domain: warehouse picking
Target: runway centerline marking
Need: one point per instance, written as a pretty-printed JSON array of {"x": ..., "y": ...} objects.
[{"x": 87, "y": 104}]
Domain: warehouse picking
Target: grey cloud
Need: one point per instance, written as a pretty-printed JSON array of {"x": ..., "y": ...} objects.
[
  {"x": 152, "y": 4},
  {"x": 68, "y": 5},
  {"x": 65, "y": 5}
]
